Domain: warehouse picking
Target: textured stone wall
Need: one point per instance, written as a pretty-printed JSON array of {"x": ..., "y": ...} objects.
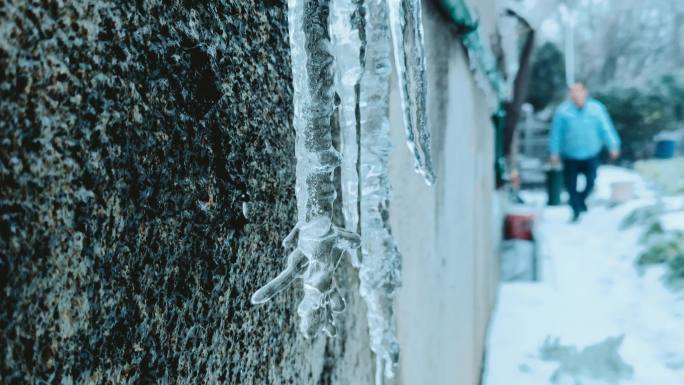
[{"x": 146, "y": 181}]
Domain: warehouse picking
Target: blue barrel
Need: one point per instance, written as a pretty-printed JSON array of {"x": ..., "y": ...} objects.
[{"x": 665, "y": 149}]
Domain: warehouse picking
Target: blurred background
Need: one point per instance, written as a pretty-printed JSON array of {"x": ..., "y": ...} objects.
[
  {"x": 628, "y": 53},
  {"x": 600, "y": 300}
]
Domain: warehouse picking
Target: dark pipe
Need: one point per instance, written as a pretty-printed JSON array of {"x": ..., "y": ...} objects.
[{"x": 520, "y": 86}]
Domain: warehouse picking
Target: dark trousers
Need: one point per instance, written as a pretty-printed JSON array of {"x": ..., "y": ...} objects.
[{"x": 571, "y": 169}]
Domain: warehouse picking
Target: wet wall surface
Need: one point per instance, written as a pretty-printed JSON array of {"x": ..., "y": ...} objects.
[{"x": 146, "y": 181}]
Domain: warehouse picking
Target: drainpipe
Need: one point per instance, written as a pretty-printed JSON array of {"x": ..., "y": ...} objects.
[{"x": 520, "y": 84}]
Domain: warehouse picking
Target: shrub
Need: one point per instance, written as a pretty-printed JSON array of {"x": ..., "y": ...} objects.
[
  {"x": 661, "y": 251},
  {"x": 639, "y": 113},
  {"x": 642, "y": 216},
  {"x": 547, "y": 80},
  {"x": 676, "y": 267}
]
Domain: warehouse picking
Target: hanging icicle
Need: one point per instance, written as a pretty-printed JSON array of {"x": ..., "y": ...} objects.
[
  {"x": 409, "y": 57},
  {"x": 381, "y": 263},
  {"x": 355, "y": 63},
  {"x": 320, "y": 244},
  {"x": 361, "y": 40},
  {"x": 348, "y": 42}
]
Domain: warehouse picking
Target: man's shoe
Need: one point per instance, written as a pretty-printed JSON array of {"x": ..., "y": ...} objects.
[{"x": 575, "y": 218}]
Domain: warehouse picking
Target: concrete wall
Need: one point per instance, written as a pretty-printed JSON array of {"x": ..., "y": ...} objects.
[{"x": 448, "y": 233}]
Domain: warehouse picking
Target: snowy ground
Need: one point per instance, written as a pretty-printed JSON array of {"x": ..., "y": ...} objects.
[{"x": 594, "y": 318}]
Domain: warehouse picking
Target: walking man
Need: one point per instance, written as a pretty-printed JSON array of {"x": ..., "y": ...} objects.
[{"x": 581, "y": 128}]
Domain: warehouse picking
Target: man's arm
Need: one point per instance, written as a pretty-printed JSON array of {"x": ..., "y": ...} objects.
[
  {"x": 555, "y": 137},
  {"x": 609, "y": 134}
]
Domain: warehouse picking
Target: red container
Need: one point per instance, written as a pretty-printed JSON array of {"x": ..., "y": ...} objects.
[{"x": 519, "y": 226}]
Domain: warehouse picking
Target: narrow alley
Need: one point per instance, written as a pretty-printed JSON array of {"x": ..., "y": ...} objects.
[
  {"x": 595, "y": 316},
  {"x": 342, "y": 192}
]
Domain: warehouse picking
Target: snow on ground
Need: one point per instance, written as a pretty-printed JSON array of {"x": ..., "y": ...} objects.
[
  {"x": 673, "y": 221},
  {"x": 593, "y": 318},
  {"x": 666, "y": 175}
]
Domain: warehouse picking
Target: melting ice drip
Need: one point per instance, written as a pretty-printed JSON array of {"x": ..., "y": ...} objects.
[{"x": 356, "y": 61}]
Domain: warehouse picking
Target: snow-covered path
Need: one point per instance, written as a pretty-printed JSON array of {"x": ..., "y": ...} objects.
[{"x": 559, "y": 330}]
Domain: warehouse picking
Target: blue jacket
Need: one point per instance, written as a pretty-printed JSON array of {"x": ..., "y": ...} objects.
[{"x": 581, "y": 133}]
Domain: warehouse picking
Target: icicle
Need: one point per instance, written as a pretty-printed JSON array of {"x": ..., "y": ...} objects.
[
  {"x": 320, "y": 244},
  {"x": 361, "y": 44},
  {"x": 409, "y": 57},
  {"x": 346, "y": 32},
  {"x": 381, "y": 262}
]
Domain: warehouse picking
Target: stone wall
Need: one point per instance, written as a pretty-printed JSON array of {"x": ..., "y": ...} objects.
[{"x": 146, "y": 181}]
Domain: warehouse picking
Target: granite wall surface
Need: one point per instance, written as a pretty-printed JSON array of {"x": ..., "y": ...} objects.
[{"x": 146, "y": 181}]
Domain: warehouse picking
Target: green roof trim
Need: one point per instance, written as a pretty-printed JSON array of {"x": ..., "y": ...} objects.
[{"x": 482, "y": 58}]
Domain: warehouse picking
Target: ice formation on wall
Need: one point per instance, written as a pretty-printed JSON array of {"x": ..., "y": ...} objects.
[
  {"x": 346, "y": 32},
  {"x": 409, "y": 57},
  {"x": 361, "y": 41},
  {"x": 381, "y": 261},
  {"x": 355, "y": 64},
  {"x": 320, "y": 244}
]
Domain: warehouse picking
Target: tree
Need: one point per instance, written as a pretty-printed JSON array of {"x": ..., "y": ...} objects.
[
  {"x": 640, "y": 113},
  {"x": 547, "y": 84}
]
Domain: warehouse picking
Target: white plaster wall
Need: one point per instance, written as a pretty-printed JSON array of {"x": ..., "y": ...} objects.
[{"x": 448, "y": 234}]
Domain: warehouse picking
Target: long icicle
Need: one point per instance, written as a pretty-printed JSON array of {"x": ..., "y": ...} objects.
[
  {"x": 361, "y": 41},
  {"x": 348, "y": 41},
  {"x": 320, "y": 244},
  {"x": 407, "y": 36},
  {"x": 381, "y": 261}
]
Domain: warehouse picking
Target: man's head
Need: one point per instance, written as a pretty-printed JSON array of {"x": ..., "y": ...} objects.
[{"x": 578, "y": 94}]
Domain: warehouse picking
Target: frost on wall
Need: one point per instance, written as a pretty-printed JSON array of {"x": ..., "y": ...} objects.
[
  {"x": 355, "y": 65},
  {"x": 319, "y": 244},
  {"x": 409, "y": 57}
]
